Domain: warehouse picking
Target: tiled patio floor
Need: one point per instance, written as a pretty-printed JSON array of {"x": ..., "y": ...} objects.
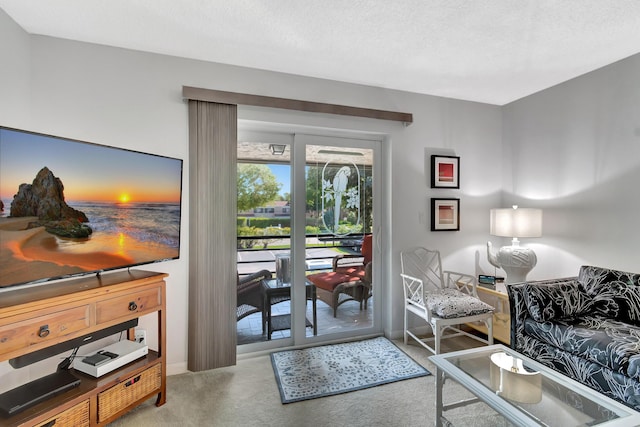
[{"x": 348, "y": 316}]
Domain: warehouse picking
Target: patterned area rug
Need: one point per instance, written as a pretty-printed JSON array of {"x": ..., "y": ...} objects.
[{"x": 340, "y": 368}]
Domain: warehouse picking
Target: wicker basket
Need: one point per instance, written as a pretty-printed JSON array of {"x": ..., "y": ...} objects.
[
  {"x": 129, "y": 391},
  {"x": 76, "y": 416}
]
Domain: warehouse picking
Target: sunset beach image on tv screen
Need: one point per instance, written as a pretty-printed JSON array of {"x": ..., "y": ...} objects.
[{"x": 69, "y": 207}]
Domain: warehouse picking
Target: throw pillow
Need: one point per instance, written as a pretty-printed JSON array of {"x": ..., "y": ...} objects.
[
  {"x": 595, "y": 280},
  {"x": 616, "y": 294},
  {"x": 555, "y": 300}
]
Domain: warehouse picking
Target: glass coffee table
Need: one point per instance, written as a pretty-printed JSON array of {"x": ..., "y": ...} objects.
[{"x": 525, "y": 392}]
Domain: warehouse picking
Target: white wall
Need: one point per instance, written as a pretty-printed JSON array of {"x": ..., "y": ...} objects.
[
  {"x": 444, "y": 126},
  {"x": 15, "y": 72},
  {"x": 574, "y": 150}
]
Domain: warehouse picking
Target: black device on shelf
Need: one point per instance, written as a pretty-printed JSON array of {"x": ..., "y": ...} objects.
[
  {"x": 489, "y": 281},
  {"x": 34, "y": 392}
]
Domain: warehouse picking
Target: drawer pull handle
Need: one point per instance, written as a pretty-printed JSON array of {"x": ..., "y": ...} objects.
[
  {"x": 132, "y": 381},
  {"x": 133, "y": 306},
  {"x": 44, "y": 331},
  {"x": 49, "y": 424}
]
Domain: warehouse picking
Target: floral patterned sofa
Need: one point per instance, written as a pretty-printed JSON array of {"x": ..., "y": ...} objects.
[{"x": 586, "y": 327}]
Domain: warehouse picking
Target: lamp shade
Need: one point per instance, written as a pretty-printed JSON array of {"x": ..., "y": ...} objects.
[{"x": 516, "y": 222}]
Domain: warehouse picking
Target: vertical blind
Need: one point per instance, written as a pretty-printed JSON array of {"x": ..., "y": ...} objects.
[{"x": 212, "y": 235}]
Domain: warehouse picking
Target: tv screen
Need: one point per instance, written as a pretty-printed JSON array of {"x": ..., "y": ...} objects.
[{"x": 70, "y": 208}]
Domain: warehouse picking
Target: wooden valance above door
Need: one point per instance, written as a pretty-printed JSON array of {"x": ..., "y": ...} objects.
[{"x": 234, "y": 98}]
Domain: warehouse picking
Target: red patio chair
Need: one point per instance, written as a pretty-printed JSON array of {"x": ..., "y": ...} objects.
[{"x": 350, "y": 279}]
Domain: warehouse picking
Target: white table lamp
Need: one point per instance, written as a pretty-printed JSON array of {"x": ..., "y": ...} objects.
[{"x": 514, "y": 222}]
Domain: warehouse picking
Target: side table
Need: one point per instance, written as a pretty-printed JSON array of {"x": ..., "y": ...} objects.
[
  {"x": 501, "y": 317},
  {"x": 274, "y": 294}
]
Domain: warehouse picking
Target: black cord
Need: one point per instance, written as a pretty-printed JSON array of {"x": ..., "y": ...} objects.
[{"x": 66, "y": 363}]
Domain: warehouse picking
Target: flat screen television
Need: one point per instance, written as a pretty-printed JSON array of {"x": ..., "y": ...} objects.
[{"x": 72, "y": 208}]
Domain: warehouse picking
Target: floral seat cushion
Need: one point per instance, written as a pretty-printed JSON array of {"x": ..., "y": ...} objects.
[
  {"x": 451, "y": 303},
  {"x": 607, "y": 342}
]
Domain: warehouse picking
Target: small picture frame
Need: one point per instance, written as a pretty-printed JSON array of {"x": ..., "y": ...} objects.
[
  {"x": 445, "y": 214},
  {"x": 445, "y": 171}
]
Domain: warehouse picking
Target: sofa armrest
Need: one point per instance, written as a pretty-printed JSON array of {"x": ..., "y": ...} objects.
[
  {"x": 518, "y": 311},
  {"x": 519, "y": 303}
]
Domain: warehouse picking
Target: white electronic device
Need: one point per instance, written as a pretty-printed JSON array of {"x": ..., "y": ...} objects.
[{"x": 111, "y": 357}]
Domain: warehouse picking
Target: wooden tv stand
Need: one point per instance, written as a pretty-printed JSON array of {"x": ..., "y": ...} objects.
[{"x": 35, "y": 318}]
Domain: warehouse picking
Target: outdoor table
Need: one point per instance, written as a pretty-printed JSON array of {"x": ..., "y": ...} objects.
[{"x": 275, "y": 293}]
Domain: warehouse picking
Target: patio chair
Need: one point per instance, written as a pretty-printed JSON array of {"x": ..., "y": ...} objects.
[
  {"x": 251, "y": 295},
  {"x": 355, "y": 264},
  {"x": 350, "y": 279},
  {"x": 444, "y": 299}
]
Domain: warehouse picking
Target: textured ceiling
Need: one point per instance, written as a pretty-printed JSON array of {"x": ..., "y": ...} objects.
[{"x": 493, "y": 51}]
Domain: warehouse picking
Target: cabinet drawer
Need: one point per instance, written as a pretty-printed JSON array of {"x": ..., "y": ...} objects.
[
  {"x": 76, "y": 416},
  {"x": 23, "y": 334},
  {"x": 129, "y": 391},
  {"x": 128, "y": 305}
]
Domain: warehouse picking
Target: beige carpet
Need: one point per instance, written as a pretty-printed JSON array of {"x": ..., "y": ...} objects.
[{"x": 247, "y": 395}]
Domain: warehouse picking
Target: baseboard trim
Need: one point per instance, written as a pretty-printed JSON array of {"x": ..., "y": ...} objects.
[{"x": 176, "y": 368}]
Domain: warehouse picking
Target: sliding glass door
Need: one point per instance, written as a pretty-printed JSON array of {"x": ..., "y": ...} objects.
[
  {"x": 307, "y": 215},
  {"x": 264, "y": 237}
]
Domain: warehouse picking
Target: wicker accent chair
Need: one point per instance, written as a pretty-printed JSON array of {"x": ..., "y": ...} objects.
[
  {"x": 251, "y": 295},
  {"x": 443, "y": 299},
  {"x": 350, "y": 279}
]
